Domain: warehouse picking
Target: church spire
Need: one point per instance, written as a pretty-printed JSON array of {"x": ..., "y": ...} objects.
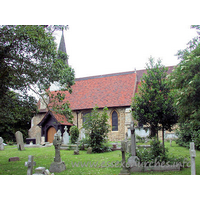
[{"x": 62, "y": 46}]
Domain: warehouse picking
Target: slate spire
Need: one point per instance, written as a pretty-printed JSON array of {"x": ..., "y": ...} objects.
[{"x": 62, "y": 46}]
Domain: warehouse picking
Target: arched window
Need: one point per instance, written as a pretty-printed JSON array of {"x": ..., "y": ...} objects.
[{"x": 114, "y": 121}]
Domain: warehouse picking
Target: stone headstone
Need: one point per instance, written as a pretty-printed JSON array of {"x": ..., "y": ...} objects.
[
  {"x": 42, "y": 171},
  {"x": 76, "y": 152},
  {"x": 192, "y": 155},
  {"x": 30, "y": 165},
  {"x": 57, "y": 165},
  {"x": 42, "y": 140},
  {"x": 20, "y": 141},
  {"x": 89, "y": 150},
  {"x": 65, "y": 136},
  {"x": 13, "y": 159},
  {"x": 1, "y": 144}
]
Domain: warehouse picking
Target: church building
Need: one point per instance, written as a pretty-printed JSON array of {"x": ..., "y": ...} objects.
[{"x": 114, "y": 91}]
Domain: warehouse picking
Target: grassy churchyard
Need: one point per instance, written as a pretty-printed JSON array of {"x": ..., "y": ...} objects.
[{"x": 44, "y": 157}]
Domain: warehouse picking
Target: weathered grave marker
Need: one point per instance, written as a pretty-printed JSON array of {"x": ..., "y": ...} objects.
[
  {"x": 13, "y": 159},
  {"x": 1, "y": 144},
  {"x": 42, "y": 140},
  {"x": 30, "y": 165},
  {"x": 57, "y": 165},
  {"x": 124, "y": 170},
  {"x": 42, "y": 171},
  {"x": 20, "y": 141},
  {"x": 76, "y": 152},
  {"x": 89, "y": 150},
  {"x": 65, "y": 136},
  {"x": 192, "y": 155},
  {"x": 132, "y": 160}
]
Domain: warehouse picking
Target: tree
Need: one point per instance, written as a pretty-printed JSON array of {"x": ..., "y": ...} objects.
[
  {"x": 152, "y": 105},
  {"x": 185, "y": 81},
  {"x": 29, "y": 61},
  {"x": 16, "y": 114},
  {"x": 74, "y": 134},
  {"x": 96, "y": 127}
]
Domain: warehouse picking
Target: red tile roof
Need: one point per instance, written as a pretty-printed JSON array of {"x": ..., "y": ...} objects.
[
  {"x": 59, "y": 118},
  {"x": 114, "y": 90},
  {"x": 111, "y": 90}
]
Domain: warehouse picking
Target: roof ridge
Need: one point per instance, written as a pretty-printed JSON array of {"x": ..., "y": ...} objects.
[
  {"x": 104, "y": 75},
  {"x": 111, "y": 74}
]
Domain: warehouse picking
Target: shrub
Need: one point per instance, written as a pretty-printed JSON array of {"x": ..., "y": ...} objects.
[
  {"x": 186, "y": 135},
  {"x": 83, "y": 142},
  {"x": 155, "y": 153},
  {"x": 74, "y": 134},
  {"x": 96, "y": 127}
]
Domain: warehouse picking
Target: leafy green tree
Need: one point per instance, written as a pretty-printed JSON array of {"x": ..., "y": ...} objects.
[
  {"x": 29, "y": 61},
  {"x": 152, "y": 105},
  {"x": 96, "y": 127},
  {"x": 74, "y": 134},
  {"x": 185, "y": 81},
  {"x": 16, "y": 114}
]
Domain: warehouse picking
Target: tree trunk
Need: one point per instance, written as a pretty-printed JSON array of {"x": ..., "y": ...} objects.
[{"x": 163, "y": 139}]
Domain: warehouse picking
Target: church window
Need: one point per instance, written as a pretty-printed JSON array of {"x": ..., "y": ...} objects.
[
  {"x": 85, "y": 114},
  {"x": 114, "y": 121}
]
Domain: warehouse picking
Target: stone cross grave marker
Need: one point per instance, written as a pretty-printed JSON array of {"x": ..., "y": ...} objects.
[
  {"x": 1, "y": 144},
  {"x": 132, "y": 160},
  {"x": 20, "y": 141},
  {"x": 57, "y": 143},
  {"x": 65, "y": 136},
  {"x": 30, "y": 165},
  {"x": 124, "y": 170},
  {"x": 57, "y": 165},
  {"x": 192, "y": 155}
]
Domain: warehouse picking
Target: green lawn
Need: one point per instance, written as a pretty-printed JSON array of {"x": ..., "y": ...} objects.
[{"x": 44, "y": 157}]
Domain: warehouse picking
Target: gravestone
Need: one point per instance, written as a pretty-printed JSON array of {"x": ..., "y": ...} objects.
[
  {"x": 57, "y": 165},
  {"x": 42, "y": 171},
  {"x": 132, "y": 161},
  {"x": 192, "y": 155},
  {"x": 1, "y": 144},
  {"x": 42, "y": 140},
  {"x": 30, "y": 165},
  {"x": 20, "y": 141},
  {"x": 124, "y": 170},
  {"x": 65, "y": 136},
  {"x": 13, "y": 159},
  {"x": 76, "y": 152},
  {"x": 89, "y": 150}
]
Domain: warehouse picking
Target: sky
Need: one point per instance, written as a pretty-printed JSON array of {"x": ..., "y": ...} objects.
[
  {"x": 119, "y": 36},
  {"x": 111, "y": 36},
  {"x": 108, "y": 48}
]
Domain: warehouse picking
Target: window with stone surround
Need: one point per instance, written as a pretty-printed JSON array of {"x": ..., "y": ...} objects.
[
  {"x": 114, "y": 121},
  {"x": 84, "y": 115}
]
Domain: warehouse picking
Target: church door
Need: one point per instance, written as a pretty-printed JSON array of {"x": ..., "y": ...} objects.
[{"x": 50, "y": 134}]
